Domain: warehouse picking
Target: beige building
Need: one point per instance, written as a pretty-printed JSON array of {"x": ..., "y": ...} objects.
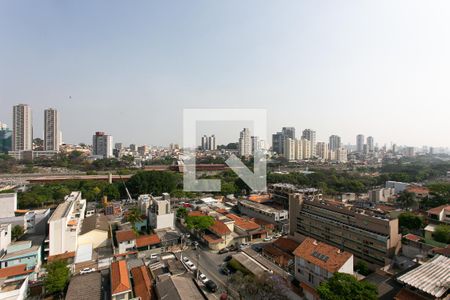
[
  {"x": 22, "y": 128},
  {"x": 369, "y": 236},
  {"x": 95, "y": 231}
]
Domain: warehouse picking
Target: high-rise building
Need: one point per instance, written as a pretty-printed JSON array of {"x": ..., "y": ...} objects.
[
  {"x": 102, "y": 144},
  {"x": 310, "y": 135},
  {"x": 118, "y": 146},
  {"x": 245, "y": 143},
  {"x": 370, "y": 144},
  {"x": 289, "y": 149},
  {"x": 360, "y": 143},
  {"x": 341, "y": 155},
  {"x": 5, "y": 138},
  {"x": 52, "y": 136},
  {"x": 335, "y": 142},
  {"x": 256, "y": 144},
  {"x": 205, "y": 145},
  {"x": 22, "y": 128},
  {"x": 133, "y": 147},
  {"x": 278, "y": 139},
  {"x": 212, "y": 142},
  {"x": 322, "y": 150}
]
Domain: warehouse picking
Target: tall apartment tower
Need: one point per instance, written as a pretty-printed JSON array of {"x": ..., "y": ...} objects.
[
  {"x": 360, "y": 143},
  {"x": 310, "y": 135},
  {"x": 370, "y": 144},
  {"x": 212, "y": 142},
  {"x": 245, "y": 143},
  {"x": 278, "y": 139},
  {"x": 22, "y": 128},
  {"x": 52, "y": 136},
  {"x": 205, "y": 141},
  {"x": 335, "y": 142},
  {"x": 102, "y": 145}
]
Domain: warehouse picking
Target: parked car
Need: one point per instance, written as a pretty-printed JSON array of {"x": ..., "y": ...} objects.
[
  {"x": 225, "y": 270},
  {"x": 191, "y": 265},
  {"x": 203, "y": 278},
  {"x": 267, "y": 239},
  {"x": 211, "y": 286},
  {"x": 87, "y": 271},
  {"x": 185, "y": 258},
  {"x": 277, "y": 236},
  {"x": 153, "y": 256},
  {"x": 228, "y": 258},
  {"x": 233, "y": 248},
  {"x": 224, "y": 250}
]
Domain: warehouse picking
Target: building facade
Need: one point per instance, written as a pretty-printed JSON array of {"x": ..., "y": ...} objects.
[
  {"x": 371, "y": 237},
  {"x": 52, "y": 133},
  {"x": 22, "y": 128},
  {"x": 245, "y": 143},
  {"x": 102, "y": 145}
]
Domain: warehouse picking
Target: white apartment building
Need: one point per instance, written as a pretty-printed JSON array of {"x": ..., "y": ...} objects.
[
  {"x": 8, "y": 204},
  {"x": 65, "y": 224},
  {"x": 160, "y": 215},
  {"x": 52, "y": 134},
  {"x": 360, "y": 143},
  {"x": 342, "y": 155},
  {"x": 102, "y": 145},
  {"x": 5, "y": 237},
  {"x": 22, "y": 128},
  {"x": 297, "y": 149},
  {"x": 310, "y": 135},
  {"x": 245, "y": 143}
]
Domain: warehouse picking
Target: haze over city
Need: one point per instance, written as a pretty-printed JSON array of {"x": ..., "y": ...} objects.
[{"x": 130, "y": 68}]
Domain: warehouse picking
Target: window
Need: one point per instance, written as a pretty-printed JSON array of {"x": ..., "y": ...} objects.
[{"x": 311, "y": 278}]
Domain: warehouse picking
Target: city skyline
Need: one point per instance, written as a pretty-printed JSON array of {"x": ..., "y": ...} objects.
[{"x": 335, "y": 70}]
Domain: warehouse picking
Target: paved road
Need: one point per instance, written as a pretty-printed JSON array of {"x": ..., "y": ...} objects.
[{"x": 209, "y": 264}]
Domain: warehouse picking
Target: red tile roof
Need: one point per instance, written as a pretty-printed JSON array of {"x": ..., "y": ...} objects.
[
  {"x": 220, "y": 228},
  {"x": 212, "y": 239},
  {"x": 243, "y": 223},
  {"x": 195, "y": 213},
  {"x": 310, "y": 247},
  {"x": 413, "y": 237},
  {"x": 286, "y": 244},
  {"x": 438, "y": 210},
  {"x": 120, "y": 281},
  {"x": 125, "y": 235},
  {"x": 221, "y": 211},
  {"x": 147, "y": 240},
  {"x": 142, "y": 282},
  {"x": 14, "y": 271},
  {"x": 65, "y": 255}
]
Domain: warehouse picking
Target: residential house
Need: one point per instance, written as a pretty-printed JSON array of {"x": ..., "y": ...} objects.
[
  {"x": 218, "y": 236},
  {"x": 247, "y": 229},
  {"x": 142, "y": 283},
  {"x": 28, "y": 252},
  {"x": 85, "y": 287},
  {"x": 14, "y": 290},
  {"x": 316, "y": 262},
  {"x": 129, "y": 241},
  {"x": 436, "y": 216},
  {"x": 120, "y": 281},
  {"x": 281, "y": 252}
]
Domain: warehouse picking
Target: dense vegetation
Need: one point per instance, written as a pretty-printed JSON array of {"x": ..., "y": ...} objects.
[
  {"x": 345, "y": 287},
  {"x": 415, "y": 170},
  {"x": 58, "y": 276}
]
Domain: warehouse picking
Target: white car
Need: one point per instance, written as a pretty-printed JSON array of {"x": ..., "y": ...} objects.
[
  {"x": 203, "y": 278},
  {"x": 267, "y": 239},
  {"x": 191, "y": 265},
  {"x": 185, "y": 259},
  {"x": 153, "y": 256},
  {"x": 87, "y": 271}
]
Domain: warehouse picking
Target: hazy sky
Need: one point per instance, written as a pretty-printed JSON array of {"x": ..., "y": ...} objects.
[{"x": 380, "y": 68}]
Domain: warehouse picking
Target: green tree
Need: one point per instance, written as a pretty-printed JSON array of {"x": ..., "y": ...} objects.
[
  {"x": 199, "y": 223},
  {"x": 153, "y": 182},
  {"x": 406, "y": 199},
  {"x": 442, "y": 234},
  {"x": 410, "y": 221},
  {"x": 362, "y": 268},
  {"x": 134, "y": 216},
  {"x": 182, "y": 213},
  {"x": 16, "y": 232},
  {"x": 345, "y": 287},
  {"x": 58, "y": 276}
]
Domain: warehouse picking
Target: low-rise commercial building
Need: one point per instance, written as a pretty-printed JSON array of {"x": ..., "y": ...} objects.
[{"x": 272, "y": 215}]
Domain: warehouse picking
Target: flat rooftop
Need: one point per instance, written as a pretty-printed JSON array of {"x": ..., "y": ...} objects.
[{"x": 261, "y": 207}]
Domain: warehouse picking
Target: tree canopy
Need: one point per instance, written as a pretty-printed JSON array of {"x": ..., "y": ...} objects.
[
  {"x": 199, "y": 223},
  {"x": 345, "y": 287},
  {"x": 410, "y": 220},
  {"x": 58, "y": 276},
  {"x": 153, "y": 182},
  {"x": 255, "y": 288},
  {"x": 442, "y": 234}
]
